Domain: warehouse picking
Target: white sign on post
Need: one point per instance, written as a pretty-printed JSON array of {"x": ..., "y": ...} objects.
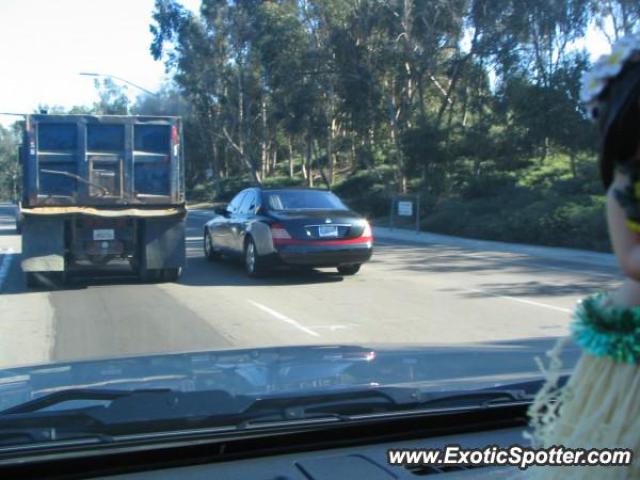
[{"x": 405, "y": 209}]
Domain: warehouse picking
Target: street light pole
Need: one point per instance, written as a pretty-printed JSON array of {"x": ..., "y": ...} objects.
[{"x": 99, "y": 75}]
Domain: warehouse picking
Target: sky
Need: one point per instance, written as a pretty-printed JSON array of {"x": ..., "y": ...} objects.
[{"x": 45, "y": 44}]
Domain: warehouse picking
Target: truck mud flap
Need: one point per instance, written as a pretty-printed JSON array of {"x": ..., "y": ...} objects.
[
  {"x": 162, "y": 243},
  {"x": 42, "y": 244}
]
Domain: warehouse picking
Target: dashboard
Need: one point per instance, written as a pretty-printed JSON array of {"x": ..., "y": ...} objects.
[{"x": 368, "y": 462}]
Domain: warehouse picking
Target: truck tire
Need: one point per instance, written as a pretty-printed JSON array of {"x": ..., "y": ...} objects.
[
  {"x": 47, "y": 280},
  {"x": 150, "y": 275},
  {"x": 171, "y": 274},
  {"x": 31, "y": 280}
]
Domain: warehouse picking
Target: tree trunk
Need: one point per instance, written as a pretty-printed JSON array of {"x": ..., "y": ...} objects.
[
  {"x": 307, "y": 160},
  {"x": 330, "y": 158},
  {"x": 354, "y": 157},
  {"x": 274, "y": 160},
  {"x": 225, "y": 162},
  {"x": 264, "y": 152},
  {"x": 290, "y": 142}
]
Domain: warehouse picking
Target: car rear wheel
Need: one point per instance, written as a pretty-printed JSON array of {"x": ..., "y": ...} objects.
[
  {"x": 209, "y": 253},
  {"x": 348, "y": 269},
  {"x": 253, "y": 263}
]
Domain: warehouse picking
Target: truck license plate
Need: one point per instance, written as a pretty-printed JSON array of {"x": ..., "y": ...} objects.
[
  {"x": 327, "y": 231},
  {"x": 103, "y": 234}
]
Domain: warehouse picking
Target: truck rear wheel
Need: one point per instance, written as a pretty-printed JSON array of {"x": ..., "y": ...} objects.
[
  {"x": 31, "y": 279},
  {"x": 171, "y": 274},
  {"x": 49, "y": 280},
  {"x": 149, "y": 275},
  {"x": 158, "y": 275}
]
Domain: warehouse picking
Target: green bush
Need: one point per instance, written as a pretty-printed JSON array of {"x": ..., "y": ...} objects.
[
  {"x": 525, "y": 216},
  {"x": 367, "y": 191}
]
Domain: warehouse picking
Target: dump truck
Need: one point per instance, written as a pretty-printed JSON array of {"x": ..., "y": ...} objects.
[{"x": 101, "y": 190}]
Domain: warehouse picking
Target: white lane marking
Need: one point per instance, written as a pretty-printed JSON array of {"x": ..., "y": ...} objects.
[
  {"x": 333, "y": 328},
  {"x": 284, "y": 318},
  {"x": 521, "y": 300},
  {"x": 4, "y": 267}
]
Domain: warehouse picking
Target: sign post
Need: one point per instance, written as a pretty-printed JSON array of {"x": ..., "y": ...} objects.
[
  {"x": 417, "y": 213},
  {"x": 405, "y": 211}
]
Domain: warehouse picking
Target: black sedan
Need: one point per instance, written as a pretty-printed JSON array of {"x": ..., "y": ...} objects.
[{"x": 297, "y": 227}]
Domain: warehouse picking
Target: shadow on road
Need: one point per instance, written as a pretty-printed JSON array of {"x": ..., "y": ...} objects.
[
  {"x": 198, "y": 272},
  {"x": 533, "y": 289},
  {"x": 569, "y": 279},
  {"x": 229, "y": 273}
]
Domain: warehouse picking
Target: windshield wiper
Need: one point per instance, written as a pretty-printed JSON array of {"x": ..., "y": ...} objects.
[
  {"x": 72, "y": 394},
  {"x": 164, "y": 410},
  {"x": 345, "y": 405}
]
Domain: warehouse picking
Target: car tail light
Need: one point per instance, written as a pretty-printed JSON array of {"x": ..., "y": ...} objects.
[
  {"x": 278, "y": 232},
  {"x": 367, "y": 230}
]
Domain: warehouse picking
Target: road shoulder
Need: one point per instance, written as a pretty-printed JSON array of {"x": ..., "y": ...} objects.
[{"x": 585, "y": 257}]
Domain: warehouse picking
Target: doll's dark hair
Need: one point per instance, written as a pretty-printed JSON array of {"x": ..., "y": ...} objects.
[{"x": 619, "y": 123}]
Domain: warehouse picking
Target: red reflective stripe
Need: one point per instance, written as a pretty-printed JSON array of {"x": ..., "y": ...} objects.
[{"x": 350, "y": 241}]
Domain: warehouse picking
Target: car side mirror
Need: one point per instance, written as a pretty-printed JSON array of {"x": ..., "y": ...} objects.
[{"x": 222, "y": 211}]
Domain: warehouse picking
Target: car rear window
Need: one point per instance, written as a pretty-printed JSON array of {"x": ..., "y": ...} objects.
[{"x": 303, "y": 200}]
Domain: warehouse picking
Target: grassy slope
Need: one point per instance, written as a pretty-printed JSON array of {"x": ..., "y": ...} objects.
[{"x": 543, "y": 204}]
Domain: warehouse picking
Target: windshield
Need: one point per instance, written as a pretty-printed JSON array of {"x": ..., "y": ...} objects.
[
  {"x": 271, "y": 199},
  {"x": 302, "y": 200}
]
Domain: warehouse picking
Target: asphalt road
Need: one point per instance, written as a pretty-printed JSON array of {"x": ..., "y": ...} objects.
[{"x": 407, "y": 294}]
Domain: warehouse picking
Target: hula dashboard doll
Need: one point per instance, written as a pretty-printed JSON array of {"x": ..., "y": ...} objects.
[{"x": 599, "y": 407}]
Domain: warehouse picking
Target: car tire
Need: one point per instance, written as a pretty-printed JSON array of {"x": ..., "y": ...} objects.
[
  {"x": 348, "y": 269},
  {"x": 209, "y": 253},
  {"x": 253, "y": 263}
]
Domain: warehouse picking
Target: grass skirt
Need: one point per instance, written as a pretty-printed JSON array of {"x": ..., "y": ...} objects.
[{"x": 599, "y": 407}]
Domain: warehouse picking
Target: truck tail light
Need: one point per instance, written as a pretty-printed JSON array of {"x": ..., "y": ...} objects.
[{"x": 174, "y": 135}]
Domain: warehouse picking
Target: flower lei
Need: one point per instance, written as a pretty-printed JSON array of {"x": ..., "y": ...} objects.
[
  {"x": 596, "y": 80},
  {"x": 604, "y": 330}
]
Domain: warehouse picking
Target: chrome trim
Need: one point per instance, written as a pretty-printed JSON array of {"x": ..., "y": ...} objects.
[{"x": 331, "y": 225}]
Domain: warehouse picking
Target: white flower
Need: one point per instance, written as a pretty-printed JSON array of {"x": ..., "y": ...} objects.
[
  {"x": 629, "y": 41},
  {"x": 613, "y": 63},
  {"x": 594, "y": 82},
  {"x": 608, "y": 66},
  {"x": 592, "y": 86}
]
